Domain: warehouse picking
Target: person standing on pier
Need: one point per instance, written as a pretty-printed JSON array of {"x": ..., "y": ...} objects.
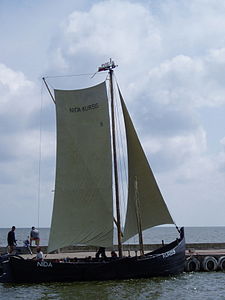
[
  {"x": 11, "y": 239},
  {"x": 34, "y": 236}
]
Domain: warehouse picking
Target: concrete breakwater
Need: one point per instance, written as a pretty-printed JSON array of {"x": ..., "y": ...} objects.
[
  {"x": 191, "y": 248},
  {"x": 209, "y": 258}
]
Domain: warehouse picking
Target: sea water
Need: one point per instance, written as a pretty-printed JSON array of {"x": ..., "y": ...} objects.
[
  {"x": 207, "y": 286},
  {"x": 154, "y": 235}
]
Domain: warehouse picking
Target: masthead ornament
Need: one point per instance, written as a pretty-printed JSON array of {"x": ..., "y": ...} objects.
[{"x": 107, "y": 66}]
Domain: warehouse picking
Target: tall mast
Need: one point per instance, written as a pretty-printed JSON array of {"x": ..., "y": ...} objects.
[{"x": 109, "y": 66}]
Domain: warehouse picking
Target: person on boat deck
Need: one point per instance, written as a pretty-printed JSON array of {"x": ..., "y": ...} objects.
[
  {"x": 11, "y": 239},
  {"x": 26, "y": 244},
  {"x": 34, "y": 236},
  {"x": 40, "y": 255},
  {"x": 101, "y": 252},
  {"x": 113, "y": 254}
]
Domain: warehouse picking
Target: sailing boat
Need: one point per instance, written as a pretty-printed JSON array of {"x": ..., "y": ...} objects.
[{"x": 86, "y": 184}]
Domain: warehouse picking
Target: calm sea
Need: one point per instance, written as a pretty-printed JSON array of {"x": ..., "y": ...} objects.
[
  {"x": 207, "y": 286},
  {"x": 152, "y": 236}
]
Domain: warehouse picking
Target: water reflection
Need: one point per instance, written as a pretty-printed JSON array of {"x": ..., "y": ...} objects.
[{"x": 184, "y": 287}]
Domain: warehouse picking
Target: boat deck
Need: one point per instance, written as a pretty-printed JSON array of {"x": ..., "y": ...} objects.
[
  {"x": 194, "y": 249},
  {"x": 84, "y": 251}
]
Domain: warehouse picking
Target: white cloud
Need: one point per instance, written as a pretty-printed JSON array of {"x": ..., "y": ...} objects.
[
  {"x": 217, "y": 56},
  {"x": 16, "y": 92},
  {"x": 109, "y": 22},
  {"x": 14, "y": 81},
  {"x": 222, "y": 141},
  {"x": 110, "y": 29}
]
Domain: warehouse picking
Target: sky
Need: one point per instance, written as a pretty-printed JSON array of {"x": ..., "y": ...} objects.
[{"x": 171, "y": 71}]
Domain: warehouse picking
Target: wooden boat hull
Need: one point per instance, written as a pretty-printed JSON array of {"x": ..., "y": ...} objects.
[{"x": 168, "y": 260}]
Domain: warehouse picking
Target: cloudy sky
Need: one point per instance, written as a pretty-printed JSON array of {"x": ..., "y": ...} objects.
[{"x": 171, "y": 57}]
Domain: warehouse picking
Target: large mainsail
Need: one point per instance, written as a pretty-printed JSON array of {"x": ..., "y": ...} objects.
[
  {"x": 83, "y": 208},
  {"x": 153, "y": 210}
]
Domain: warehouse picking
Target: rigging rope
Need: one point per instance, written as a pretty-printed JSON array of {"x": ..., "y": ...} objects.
[
  {"x": 71, "y": 75},
  {"x": 40, "y": 154},
  {"x": 48, "y": 84}
]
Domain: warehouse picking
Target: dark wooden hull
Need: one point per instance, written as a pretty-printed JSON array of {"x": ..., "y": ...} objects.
[{"x": 168, "y": 260}]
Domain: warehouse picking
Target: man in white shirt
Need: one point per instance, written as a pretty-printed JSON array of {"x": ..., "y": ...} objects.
[{"x": 40, "y": 255}]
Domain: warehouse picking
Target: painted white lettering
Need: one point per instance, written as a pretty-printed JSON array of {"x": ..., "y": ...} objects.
[
  {"x": 44, "y": 264},
  {"x": 169, "y": 253}
]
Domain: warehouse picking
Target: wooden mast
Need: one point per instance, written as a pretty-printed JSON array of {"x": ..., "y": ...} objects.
[
  {"x": 48, "y": 89},
  {"x": 115, "y": 167},
  {"x": 110, "y": 66},
  {"x": 138, "y": 215}
]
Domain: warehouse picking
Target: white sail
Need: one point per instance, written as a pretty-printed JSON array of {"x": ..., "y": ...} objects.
[
  {"x": 153, "y": 210},
  {"x": 83, "y": 208}
]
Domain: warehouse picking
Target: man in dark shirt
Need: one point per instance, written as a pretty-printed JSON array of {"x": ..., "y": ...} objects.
[
  {"x": 11, "y": 239},
  {"x": 34, "y": 236}
]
